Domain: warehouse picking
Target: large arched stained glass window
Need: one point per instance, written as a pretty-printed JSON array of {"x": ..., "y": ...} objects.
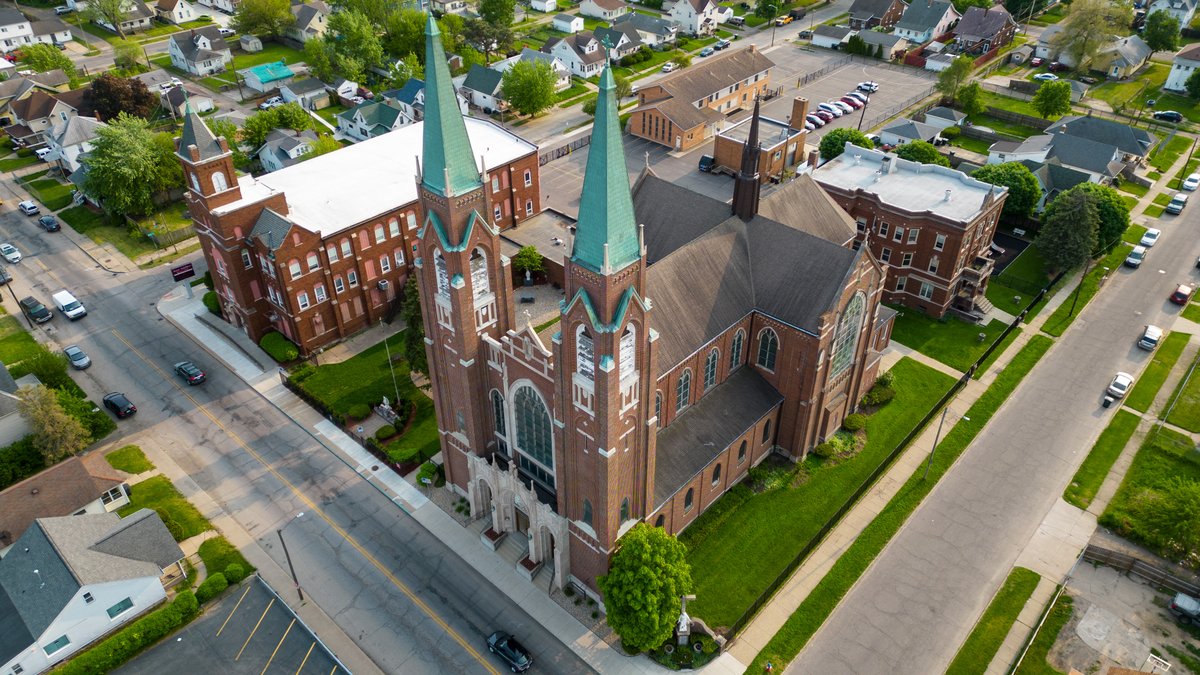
[
  {"x": 846, "y": 339},
  {"x": 768, "y": 346},
  {"x": 498, "y": 414},
  {"x": 710, "y": 369},
  {"x": 735, "y": 350},
  {"x": 535, "y": 439}
]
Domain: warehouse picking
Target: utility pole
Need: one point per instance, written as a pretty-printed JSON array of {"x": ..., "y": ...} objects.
[
  {"x": 864, "y": 111},
  {"x": 288, "y": 556}
]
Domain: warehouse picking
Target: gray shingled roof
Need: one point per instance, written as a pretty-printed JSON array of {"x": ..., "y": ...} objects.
[
  {"x": 1126, "y": 138},
  {"x": 715, "y": 74},
  {"x": 923, "y": 15},
  {"x": 142, "y": 536},
  {"x": 306, "y": 86},
  {"x": 270, "y": 229},
  {"x": 483, "y": 80},
  {"x": 888, "y": 40},
  {"x": 10, "y": 16},
  {"x": 944, "y": 113},
  {"x": 646, "y": 23},
  {"x": 36, "y": 598},
  {"x": 1086, "y": 154},
  {"x": 912, "y": 130},
  {"x": 982, "y": 24},
  {"x": 834, "y": 32},
  {"x": 197, "y": 133}
]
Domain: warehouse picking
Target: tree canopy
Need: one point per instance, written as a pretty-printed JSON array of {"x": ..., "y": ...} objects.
[
  {"x": 952, "y": 79},
  {"x": 498, "y": 12},
  {"x": 55, "y": 433},
  {"x": 1161, "y": 31},
  {"x": 528, "y": 260},
  {"x": 43, "y": 57},
  {"x": 1112, "y": 212},
  {"x": 487, "y": 37},
  {"x": 351, "y": 45},
  {"x": 127, "y": 54},
  {"x": 1024, "y": 192},
  {"x": 970, "y": 99},
  {"x": 834, "y": 142},
  {"x": 414, "y": 329},
  {"x": 129, "y": 164},
  {"x": 287, "y": 116},
  {"x": 111, "y": 95},
  {"x": 1053, "y": 99},
  {"x": 766, "y": 9},
  {"x": 264, "y": 18},
  {"x": 110, "y": 12},
  {"x": 920, "y": 151},
  {"x": 1192, "y": 85},
  {"x": 1090, "y": 24},
  {"x": 1068, "y": 234},
  {"x": 528, "y": 86},
  {"x": 646, "y": 578}
]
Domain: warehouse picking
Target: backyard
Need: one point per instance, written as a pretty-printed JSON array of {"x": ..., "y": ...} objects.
[
  {"x": 1023, "y": 278},
  {"x": 16, "y": 344},
  {"x": 54, "y": 195},
  {"x": 1132, "y": 93}
]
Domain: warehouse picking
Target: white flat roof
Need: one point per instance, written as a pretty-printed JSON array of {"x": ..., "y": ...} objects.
[
  {"x": 352, "y": 185},
  {"x": 909, "y": 186}
]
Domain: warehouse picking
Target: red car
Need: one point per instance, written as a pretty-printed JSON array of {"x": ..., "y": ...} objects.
[
  {"x": 827, "y": 116},
  {"x": 852, "y": 102},
  {"x": 1056, "y": 67},
  {"x": 1036, "y": 61},
  {"x": 1182, "y": 294}
]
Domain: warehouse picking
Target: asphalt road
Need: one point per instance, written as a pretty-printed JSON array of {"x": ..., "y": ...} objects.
[
  {"x": 913, "y": 608},
  {"x": 410, "y": 603}
]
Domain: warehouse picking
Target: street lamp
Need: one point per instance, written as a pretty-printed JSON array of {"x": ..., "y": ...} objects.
[
  {"x": 936, "y": 437},
  {"x": 287, "y": 556}
]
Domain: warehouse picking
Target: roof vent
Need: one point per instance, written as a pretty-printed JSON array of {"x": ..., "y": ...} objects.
[
  {"x": 878, "y": 173},
  {"x": 948, "y": 193},
  {"x": 857, "y": 159}
]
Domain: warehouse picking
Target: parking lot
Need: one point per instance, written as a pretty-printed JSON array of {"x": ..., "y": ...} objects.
[{"x": 248, "y": 631}]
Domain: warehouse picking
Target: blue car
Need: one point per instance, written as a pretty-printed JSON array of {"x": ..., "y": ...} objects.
[{"x": 707, "y": 51}]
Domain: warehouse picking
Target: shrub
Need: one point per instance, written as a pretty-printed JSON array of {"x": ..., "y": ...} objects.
[
  {"x": 211, "y": 587},
  {"x": 385, "y": 432},
  {"x": 207, "y": 279},
  {"x": 950, "y": 133},
  {"x": 218, "y": 554},
  {"x": 569, "y": 591},
  {"x": 404, "y": 455},
  {"x": 234, "y": 573},
  {"x": 279, "y": 348},
  {"x": 879, "y": 395},
  {"x": 359, "y": 411},
  {"x": 126, "y": 643},
  {"x": 825, "y": 450},
  {"x": 887, "y": 379},
  {"x": 302, "y": 372},
  {"x": 19, "y": 461},
  {"x": 212, "y": 302},
  {"x": 854, "y": 422},
  {"x": 429, "y": 472},
  {"x": 24, "y": 152}
]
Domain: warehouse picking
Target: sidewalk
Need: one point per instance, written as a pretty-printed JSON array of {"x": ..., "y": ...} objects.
[{"x": 234, "y": 349}]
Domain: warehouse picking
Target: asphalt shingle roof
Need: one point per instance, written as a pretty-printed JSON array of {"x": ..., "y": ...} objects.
[
  {"x": 270, "y": 229},
  {"x": 923, "y": 15},
  {"x": 483, "y": 80}
]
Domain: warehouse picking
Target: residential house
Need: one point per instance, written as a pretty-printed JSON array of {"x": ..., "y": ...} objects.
[
  {"x": 1054, "y": 178},
  {"x": 74, "y": 486},
  {"x": 1122, "y": 57},
  {"x": 34, "y": 115},
  {"x": 74, "y": 579},
  {"x": 370, "y": 119},
  {"x": 70, "y": 139},
  {"x": 1186, "y": 62},
  {"x": 344, "y": 89},
  {"x": 696, "y": 17},
  {"x": 544, "y": 5},
  {"x": 982, "y": 29},
  {"x": 904, "y": 131},
  {"x": 482, "y": 88},
  {"x": 942, "y": 117},
  {"x": 312, "y": 20},
  {"x": 939, "y": 62},
  {"x": 652, "y": 30},
  {"x": 890, "y": 45},
  {"x": 200, "y": 51},
  {"x": 582, "y": 53},
  {"x": 684, "y": 109},
  {"x": 1101, "y": 161},
  {"x": 138, "y": 17},
  {"x": 51, "y": 31},
  {"x": 1046, "y": 49},
  {"x": 562, "y": 74},
  {"x": 410, "y": 99},
  {"x": 1133, "y": 143},
  {"x": 268, "y": 76},
  {"x": 177, "y": 100},
  {"x": 607, "y": 10},
  {"x": 567, "y": 23},
  {"x": 16, "y": 30},
  {"x": 226, "y": 6},
  {"x": 448, "y": 6},
  {"x": 924, "y": 20},
  {"x": 284, "y": 148},
  {"x": 867, "y": 14},
  {"x": 622, "y": 41},
  {"x": 175, "y": 11},
  {"x": 831, "y": 37},
  {"x": 310, "y": 93},
  {"x": 1183, "y": 10},
  {"x": 930, "y": 224},
  {"x": 13, "y": 426},
  {"x": 17, "y": 88}
]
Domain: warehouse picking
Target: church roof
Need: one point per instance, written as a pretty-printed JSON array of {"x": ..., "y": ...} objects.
[
  {"x": 197, "y": 133},
  {"x": 448, "y": 162}
]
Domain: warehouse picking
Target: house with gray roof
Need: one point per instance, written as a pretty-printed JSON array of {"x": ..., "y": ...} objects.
[
  {"x": 310, "y": 93},
  {"x": 982, "y": 29},
  {"x": 867, "y": 14},
  {"x": 370, "y": 119},
  {"x": 652, "y": 30},
  {"x": 482, "y": 87},
  {"x": 1101, "y": 161},
  {"x": 923, "y": 20},
  {"x": 1184, "y": 10},
  {"x": 567, "y": 23},
  {"x": 138, "y": 17},
  {"x": 905, "y": 131},
  {"x": 891, "y": 45},
  {"x": 312, "y": 20},
  {"x": 71, "y": 580},
  {"x": 410, "y": 99},
  {"x": 623, "y": 40},
  {"x": 1122, "y": 57},
  {"x": 200, "y": 51},
  {"x": 71, "y": 139},
  {"x": 1133, "y": 142},
  {"x": 581, "y": 52},
  {"x": 562, "y": 74},
  {"x": 285, "y": 147},
  {"x": 1054, "y": 178},
  {"x": 831, "y": 37},
  {"x": 943, "y": 117}
]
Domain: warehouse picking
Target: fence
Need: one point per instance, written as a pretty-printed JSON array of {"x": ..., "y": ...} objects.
[
  {"x": 1130, "y": 564},
  {"x": 765, "y": 597},
  {"x": 828, "y": 68},
  {"x": 564, "y": 150},
  {"x": 1017, "y": 118},
  {"x": 900, "y": 107}
]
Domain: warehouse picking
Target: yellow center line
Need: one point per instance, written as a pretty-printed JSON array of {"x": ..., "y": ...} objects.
[
  {"x": 255, "y": 629},
  {"x": 285, "y": 634},
  {"x": 312, "y": 507},
  {"x": 306, "y": 654},
  {"x": 234, "y": 610}
]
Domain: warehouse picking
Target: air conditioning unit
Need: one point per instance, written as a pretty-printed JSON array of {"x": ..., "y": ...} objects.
[{"x": 383, "y": 284}]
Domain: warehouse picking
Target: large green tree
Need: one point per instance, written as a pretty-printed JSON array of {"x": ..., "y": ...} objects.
[
  {"x": 487, "y": 37},
  {"x": 1053, "y": 99},
  {"x": 646, "y": 578},
  {"x": 1068, "y": 234},
  {"x": 55, "y": 433},
  {"x": 1161, "y": 31},
  {"x": 834, "y": 142},
  {"x": 264, "y": 18},
  {"x": 1090, "y": 24},
  {"x": 499, "y": 12},
  {"x": 952, "y": 79},
  {"x": 920, "y": 151},
  {"x": 766, "y": 9},
  {"x": 414, "y": 328},
  {"x": 404, "y": 33},
  {"x": 1112, "y": 212},
  {"x": 351, "y": 45},
  {"x": 110, "y": 12},
  {"x": 128, "y": 165},
  {"x": 111, "y": 95},
  {"x": 127, "y": 54},
  {"x": 223, "y": 127},
  {"x": 1024, "y": 192},
  {"x": 43, "y": 57},
  {"x": 970, "y": 99},
  {"x": 528, "y": 86},
  {"x": 287, "y": 116},
  {"x": 1192, "y": 85}
]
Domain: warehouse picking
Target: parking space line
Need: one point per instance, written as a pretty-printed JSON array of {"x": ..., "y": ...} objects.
[
  {"x": 285, "y": 634},
  {"x": 235, "y": 609},
  {"x": 306, "y": 655},
  {"x": 251, "y": 635},
  {"x": 334, "y": 669}
]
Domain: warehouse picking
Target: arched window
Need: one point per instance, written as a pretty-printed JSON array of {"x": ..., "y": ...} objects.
[
  {"x": 498, "y": 417},
  {"x": 687, "y": 500},
  {"x": 535, "y": 439},
  {"x": 845, "y": 340},
  {"x": 766, "y": 431},
  {"x": 628, "y": 347},
  {"x": 219, "y": 184},
  {"x": 716, "y": 475},
  {"x": 443, "y": 276},
  {"x": 768, "y": 345},
  {"x": 658, "y": 407},
  {"x": 742, "y": 452},
  {"x": 479, "y": 274},
  {"x": 710, "y": 369},
  {"x": 735, "y": 349},
  {"x": 683, "y": 390},
  {"x": 587, "y": 512},
  {"x": 625, "y": 509},
  {"x": 585, "y": 353},
  {"x": 196, "y": 184},
  {"x": 660, "y": 520}
]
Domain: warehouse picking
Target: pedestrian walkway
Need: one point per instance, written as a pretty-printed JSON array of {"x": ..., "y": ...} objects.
[{"x": 1026, "y": 621}]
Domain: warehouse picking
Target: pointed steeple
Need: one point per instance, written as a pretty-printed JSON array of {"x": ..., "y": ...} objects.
[
  {"x": 448, "y": 164},
  {"x": 606, "y": 236},
  {"x": 746, "y": 186},
  {"x": 197, "y": 133}
]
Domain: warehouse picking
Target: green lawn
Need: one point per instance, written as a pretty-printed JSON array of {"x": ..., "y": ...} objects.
[
  {"x": 129, "y": 459},
  {"x": 1133, "y": 188},
  {"x": 1154, "y": 211},
  {"x": 981, "y": 645},
  {"x": 1167, "y": 153},
  {"x": 1191, "y": 312},
  {"x": 16, "y": 345},
  {"x": 952, "y": 341},
  {"x": 1156, "y": 372},
  {"x": 169, "y": 218},
  {"x": 270, "y": 53},
  {"x": 217, "y": 554},
  {"x": 1000, "y": 126},
  {"x": 576, "y": 90},
  {"x": 50, "y": 192},
  {"x": 1061, "y": 319},
  {"x": 98, "y": 228},
  {"x": 991, "y": 98},
  {"x": 1104, "y": 453},
  {"x": 14, "y": 162},
  {"x": 1023, "y": 278},
  {"x": 1161, "y": 199},
  {"x": 725, "y": 549},
  {"x": 330, "y": 114},
  {"x": 1131, "y": 94},
  {"x": 1186, "y": 398},
  {"x": 182, "y": 519},
  {"x": 973, "y": 144},
  {"x": 830, "y": 590},
  {"x": 1035, "y": 662}
]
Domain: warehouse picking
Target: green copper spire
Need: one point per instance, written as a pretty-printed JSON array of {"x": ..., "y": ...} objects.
[
  {"x": 448, "y": 164},
  {"x": 606, "y": 236}
]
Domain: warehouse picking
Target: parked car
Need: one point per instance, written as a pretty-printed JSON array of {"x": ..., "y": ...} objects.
[
  {"x": 736, "y": 21},
  {"x": 76, "y": 357},
  {"x": 706, "y": 163},
  {"x": 825, "y": 115},
  {"x": 69, "y": 305},
  {"x": 814, "y": 120},
  {"x": 875, "y": 139},
  {"x": 226, "y": 32},
  {"x": 831, "y": 109},
  {"x": 843, "y": 106},
  {"x": 707, "y": 51},
  {"x": 797, "y": 13},
  {"x": 189, "y": 372},
  {"x": 5, "y": 277},
  {"x": 119, "y": 404},
  {"x": 1185, "y": 608},
  {"x": 669, "y": 67},
  {"x": 272, "y": 102},
  {"x": 858, "y": 95},
  {"x": 1168, "y": 116},
  {"x": 1191, "y": 182},
  {"x": 721, "y": 44},
  {"x": 1056, "y": 67},
  {"x": 1135, "y": 257},
  {"x": 42, "y": 153},
  {"x": 809, "y": 126},
  {"x": 1150, "y": 338},
  {"x": 868, "y": 86},
  {"x": 49, "y": 223},
  {"x": 1175, "y": 206},
  {"x": 62, "y": 9},
  {"x": 1036, "y": 61},
  {"x": 1120, "y": 385},
  {"x": 29, "y": 208},
  {"x": 1182, "y": 294},
  {"x": 1045, "y": 77},
  {"x": 10, "y": 253},
  {"x": 850, "y": 101},
  {"x": 513, "y": 653},
  {"x": 1150, "y": 238},
  {"x": 35, "y": 310},
  {"x": 783, "y": 20}
]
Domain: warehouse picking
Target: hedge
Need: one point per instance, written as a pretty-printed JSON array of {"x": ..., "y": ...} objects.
[
  {"x": 385, "y": 432},
  {"x": 854, "y": 422},
  {"x": 128, "y": 642},
  {"x": 218, "y": 554},
  {"x": 212, "y": 302},
  {"x": 211, "y": 587},
  {"x": 279, "y": 348},
  {"x": 234, "y": 573}
]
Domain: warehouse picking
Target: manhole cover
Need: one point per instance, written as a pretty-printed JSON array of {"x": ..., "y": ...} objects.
[{"x": 375, "y": 468}]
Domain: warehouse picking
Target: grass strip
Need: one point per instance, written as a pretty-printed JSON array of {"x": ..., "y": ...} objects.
[
  {"x": 1185, "y": 412},
  {"x": 803, "y": 624},
  {"x": 985, "y": 640},
  {"x": 1191, "y": 313},
  {"x": 1155, "y": 374},
  {"x": 1104, "y": 453},
  {"x": 129, "y": 459},
  {"x": 1035, "y": 662}
]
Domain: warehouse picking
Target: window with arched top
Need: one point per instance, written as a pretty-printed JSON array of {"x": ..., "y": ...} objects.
[
  {"x": 443, "y": 275},
  {"x": 845, "y": 341},
  {"x": 742, "y": 452},
  {"x": 660, "y": 520},
  {"x": 585, "y": 353},
  {"x": 480, "y": 286},
  {"x": 535, "y": 436},
  {"x": 625, "y": 509},
  {"x": 687, "y": 500},
  {"x": 683, "y": 390},
  {"x": 766, "y": 431},
  {"x": 658, "y": 407},
  {"x": 314, "y": 262},
  {"x": 294, "y": 268},
  {"x": 710, "y": 369},
  {"x": 768, "y": 346},
  {"x": 628, "y": 349},
  {"x": 219, "y": 183},
  {"x": 735, "y": 349},
  {"x": 498, "y": 419},
  {"x": 716, "y": 475},
  {"x": 587, "y": 512}
]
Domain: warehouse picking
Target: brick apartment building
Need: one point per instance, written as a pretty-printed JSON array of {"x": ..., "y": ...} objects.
[
  {"x": 683, "y": 110},
  {"x": 322, "y": 249},
  {"x": 931, "y": 225}
]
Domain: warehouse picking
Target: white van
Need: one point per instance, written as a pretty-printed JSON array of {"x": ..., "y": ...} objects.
[{"x": 68, "y": 305}]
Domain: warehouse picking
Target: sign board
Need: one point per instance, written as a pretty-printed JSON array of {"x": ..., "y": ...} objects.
[{"x": 182, "y": 272}]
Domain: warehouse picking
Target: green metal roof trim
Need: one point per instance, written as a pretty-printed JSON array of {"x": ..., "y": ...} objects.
[
  {"x": 269, "y": 72},
  {"x": 622, "y": 308},
  {"x": 448, "y": 163},
  {"x": 431, "y": 218},
  {"x": 606, "y": 217}
]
